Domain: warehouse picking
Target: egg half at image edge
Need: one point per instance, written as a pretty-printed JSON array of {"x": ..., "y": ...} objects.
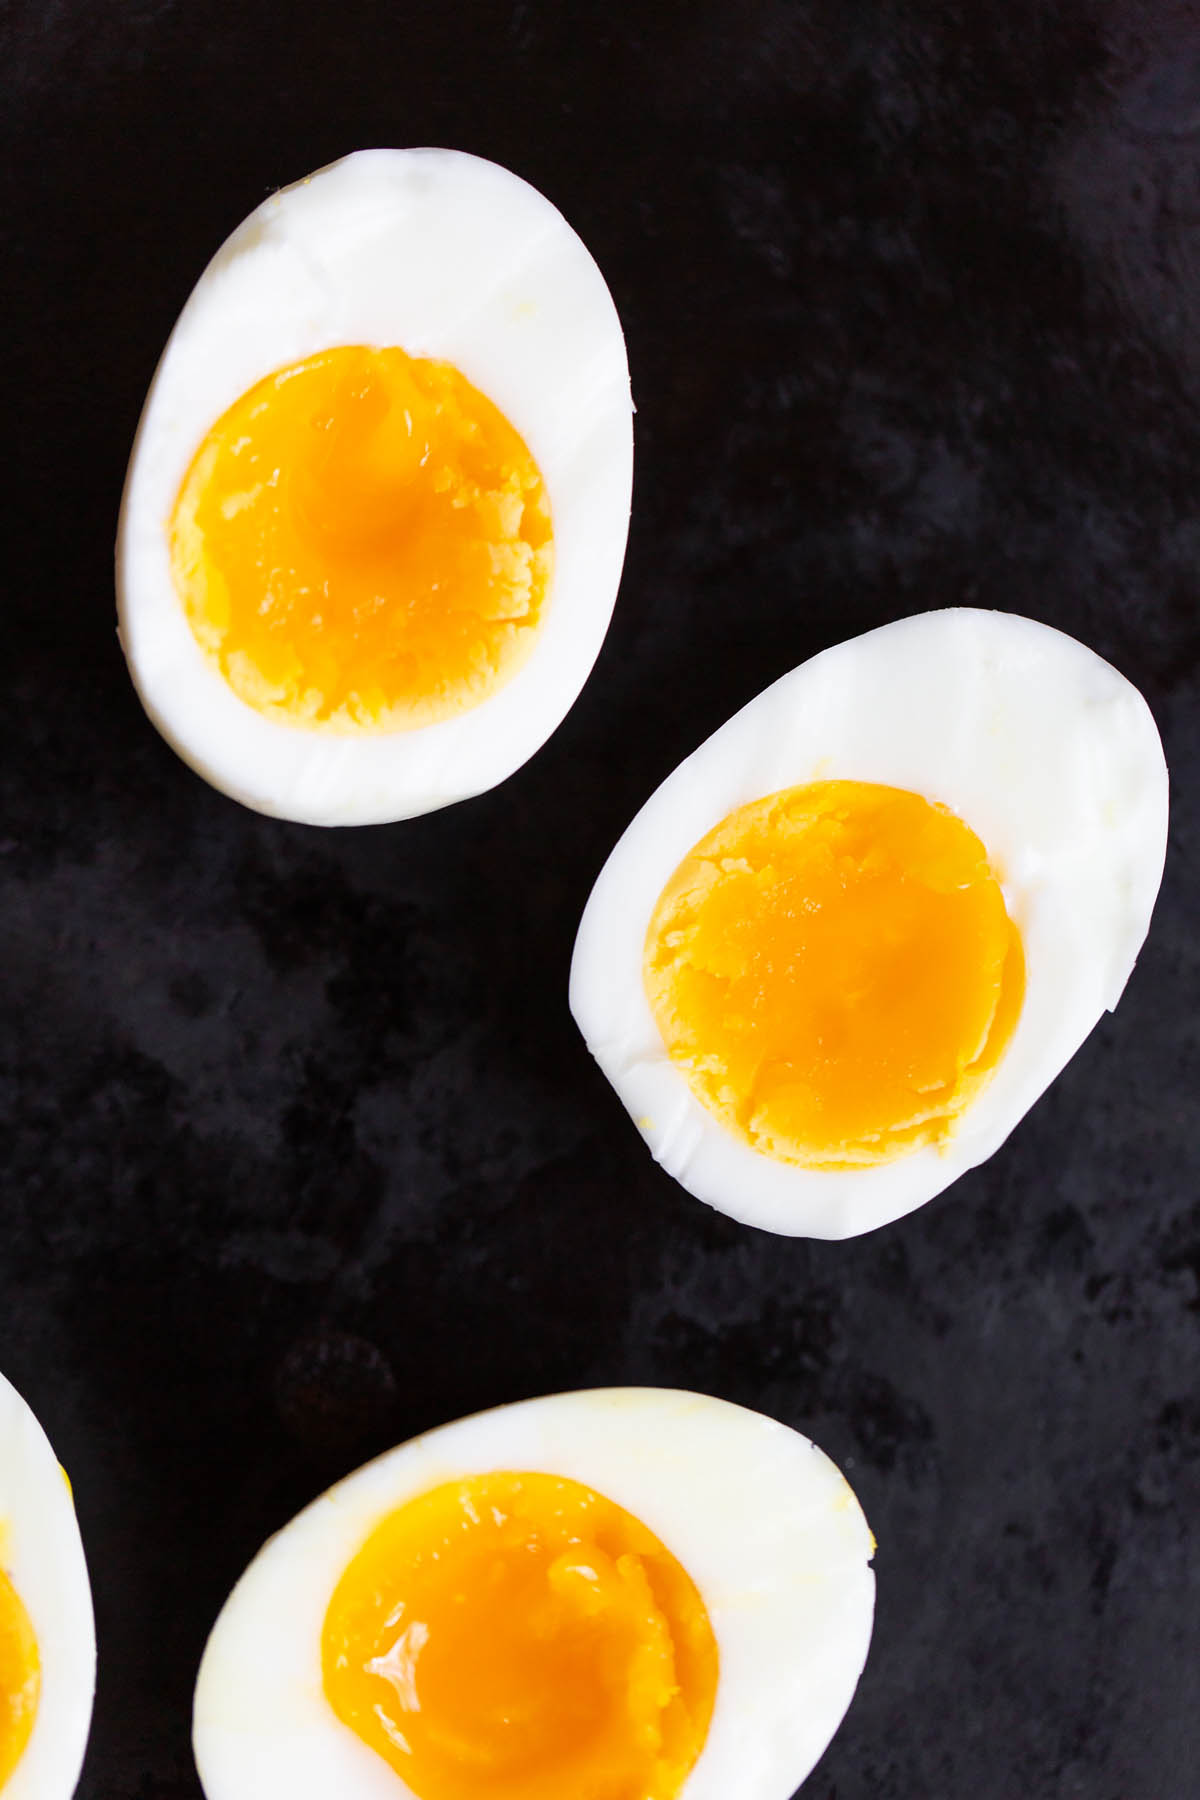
[
  {"x": 851, "y": 939},
  {"x": 376, "y": 508},
  {"x": 633, "y": 1594},
  {"x": 47, "y": 1637}
]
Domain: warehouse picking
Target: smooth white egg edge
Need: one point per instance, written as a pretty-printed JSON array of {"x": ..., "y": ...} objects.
[
  {"x": 43, "y": 1556},
  {"x": 495, "y": 281},
  {"x": 877, "y": 708},
  {"x": 764, "y": 1523}
]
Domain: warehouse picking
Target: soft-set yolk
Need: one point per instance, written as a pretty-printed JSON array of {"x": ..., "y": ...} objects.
[
  {"x": 518, "y": 1637},
  {"x": 20, "y": 1678},
  {"x": 363, "y": 542},
  {"x": 834, "y": 971}
]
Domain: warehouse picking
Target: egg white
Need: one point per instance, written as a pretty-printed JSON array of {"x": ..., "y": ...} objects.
[
  {"x": 762, "y": 1521},
  {"x": 446, "y": 256},
  {"x": 41, "y": 1553},
  {"x": 1042, "y": 748}
]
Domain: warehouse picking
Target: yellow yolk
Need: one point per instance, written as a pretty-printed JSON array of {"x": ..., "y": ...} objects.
[
  {"x": 519, "y": 1637},
  {"x": 363, "y": 542},
  {"x": 834, "y": 971},
  {"x": 20, "y": 1678}
]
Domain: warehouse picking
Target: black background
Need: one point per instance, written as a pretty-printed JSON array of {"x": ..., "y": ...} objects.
[{"x": 302, "y": 1153}]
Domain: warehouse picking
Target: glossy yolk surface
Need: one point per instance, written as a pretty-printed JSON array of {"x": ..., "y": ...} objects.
[
  {"x": 20, "y": 1678},
  {"x": 834, "y": 970},
  {"x": 363, "y": 542},
  {"x": 520, "y": 1637}
]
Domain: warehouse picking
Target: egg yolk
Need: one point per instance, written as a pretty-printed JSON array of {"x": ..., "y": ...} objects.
[
  {"x": 520, "y": 1637},
  {"x": 363, "y": 543},
  {"x": 20, "y": 1678},
  {"x": 834, "y": 971}
]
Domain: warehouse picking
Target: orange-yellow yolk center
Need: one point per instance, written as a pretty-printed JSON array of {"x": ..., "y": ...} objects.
[
  {"x": 520, "y": 1637},
  {"x": 20, "y": 1678},
  {"x": 363, "y": 542},
  {"x": 834, "y": 971}
]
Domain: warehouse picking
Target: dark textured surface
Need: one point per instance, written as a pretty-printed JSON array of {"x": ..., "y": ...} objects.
[{"x": 302, "y": 1152}]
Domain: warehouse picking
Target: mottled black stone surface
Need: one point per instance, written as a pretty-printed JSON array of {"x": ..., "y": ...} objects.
[{"x": 301, "y": 1150}]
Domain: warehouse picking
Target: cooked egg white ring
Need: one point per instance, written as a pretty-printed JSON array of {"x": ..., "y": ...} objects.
[
  {"x": 1047, "y": 753},
  {"x": 446, "y": 256},
  {"x": 762, "y": 1521},
  {"x": 41, "y": 1552}
]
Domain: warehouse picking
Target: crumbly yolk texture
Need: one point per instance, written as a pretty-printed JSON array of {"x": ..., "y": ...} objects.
[
  {"x": 20, "y": 1678},
  {"x": 363, "y": 543},
  {"x": 517, "y": 1636},
  {"x": 834, "y": 971}
]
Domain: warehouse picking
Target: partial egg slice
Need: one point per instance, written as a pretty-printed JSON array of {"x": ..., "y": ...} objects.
[
  {"x": 845, "y": 946},
  {"x": 377, "y": 504},
  {"x": 47, "y": 1638},
  {"x": 632, "y": 1594}
]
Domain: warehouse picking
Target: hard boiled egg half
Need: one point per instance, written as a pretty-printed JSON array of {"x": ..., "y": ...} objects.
[
  {"x": 846, "y": 945},
  {"x": 628, "y": 1594},
  {"x": 47, "y": 1638},
  {"x": 377, "y": 504}
]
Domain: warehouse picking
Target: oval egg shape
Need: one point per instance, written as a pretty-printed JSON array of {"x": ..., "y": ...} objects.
[
  {"x": 488, "y": 305},
  {"x": 758, "y": 1519},
  {"x": 47, "y": 1635},
  {"x": 1044, "y": 755}
]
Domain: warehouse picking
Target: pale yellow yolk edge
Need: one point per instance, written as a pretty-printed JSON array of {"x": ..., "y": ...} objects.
[
  {"x": 521, "y": 1637},
  {"x": 363, "y": 543},
  {"x": 20, "y": 1678},
  {"x": 834, "y": 971}
]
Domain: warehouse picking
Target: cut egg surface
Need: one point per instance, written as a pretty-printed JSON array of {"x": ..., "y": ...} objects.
[
  {"x": 47, "y": 1637},
  {"x": 377, "y": 504},
  {"x": 627, "y": 1594},
  {"x": 850, "y": 940}
]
